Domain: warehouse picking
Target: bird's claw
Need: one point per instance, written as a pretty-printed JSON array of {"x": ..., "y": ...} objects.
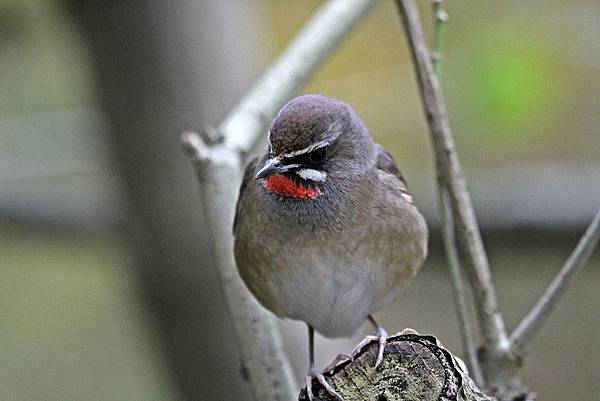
[
  {"x": 338, "y": 359},
  {"x": 381, "y": 338},
  {"x": 317, "y": 374},
  {"x": 363, "y": 343}
]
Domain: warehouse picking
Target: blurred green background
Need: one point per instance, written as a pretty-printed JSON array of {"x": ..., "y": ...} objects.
[{"x": 107, "y": 289}]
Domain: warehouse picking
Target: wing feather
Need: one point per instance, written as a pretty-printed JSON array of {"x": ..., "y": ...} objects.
[
  {"x": 248, "y": 177},
  {"x": 385, "y": 162}
]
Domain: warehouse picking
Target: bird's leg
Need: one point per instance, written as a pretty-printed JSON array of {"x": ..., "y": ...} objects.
[
  {"x": 381, "y": 337},
  {"x": 314, "y": 373}
]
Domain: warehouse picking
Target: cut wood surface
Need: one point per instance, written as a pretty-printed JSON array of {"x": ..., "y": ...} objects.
[{"x": 415, "y": 368}]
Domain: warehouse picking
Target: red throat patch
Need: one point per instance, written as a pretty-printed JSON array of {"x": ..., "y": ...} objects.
[{"x": 284, "y": 186}]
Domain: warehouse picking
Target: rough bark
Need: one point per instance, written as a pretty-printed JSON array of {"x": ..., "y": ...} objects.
[{"x": 415, "y": 368}]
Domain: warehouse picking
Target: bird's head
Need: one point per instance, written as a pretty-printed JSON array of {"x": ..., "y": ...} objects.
[{"x": 313, "y": 140}]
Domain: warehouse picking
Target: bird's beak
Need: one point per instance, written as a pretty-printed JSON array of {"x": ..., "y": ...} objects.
[{"x": 274, "y": 166}]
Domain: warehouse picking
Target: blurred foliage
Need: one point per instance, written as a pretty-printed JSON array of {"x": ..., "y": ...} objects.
[
  {"x": 43, "y": 64},
  {"x": 511, "y": 87},
  {"x": 73, "y": 326},
  {"x": 513, "y": 92},
  {"x": 516, "y": 79}
]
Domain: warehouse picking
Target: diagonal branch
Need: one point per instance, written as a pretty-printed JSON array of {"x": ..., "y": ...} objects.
[
  {"x": 533, "y": 321},
  {"x": 465, "y": 322},
  {"x": 450, "y": 173},
  {"x": 244, "y": 124}
]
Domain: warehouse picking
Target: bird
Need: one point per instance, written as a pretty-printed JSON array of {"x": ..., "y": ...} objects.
[{"x": 326, "y": 231}]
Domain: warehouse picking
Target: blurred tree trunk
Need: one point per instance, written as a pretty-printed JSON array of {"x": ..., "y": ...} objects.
[{"x": 163, "y": 67}]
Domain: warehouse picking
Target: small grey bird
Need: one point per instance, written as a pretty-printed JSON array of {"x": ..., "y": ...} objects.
[{"x": 325, "y": 229}]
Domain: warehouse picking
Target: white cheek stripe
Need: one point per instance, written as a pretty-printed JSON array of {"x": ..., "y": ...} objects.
[{"x": 310, "y": 174}]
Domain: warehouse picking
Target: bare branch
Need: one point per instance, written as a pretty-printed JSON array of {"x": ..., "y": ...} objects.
[
  {"x": 450, "y": 172},
  {"x": 257, "y": 331},
  {"x": 196, "y": 148},
  {"x": 465, "y": 321},
  {"x": 533, "y": 321},
  {"x": 243, "y": 126}
]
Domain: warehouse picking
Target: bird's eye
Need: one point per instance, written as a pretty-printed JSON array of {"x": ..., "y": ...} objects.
[{"x": 318, "y": 155}]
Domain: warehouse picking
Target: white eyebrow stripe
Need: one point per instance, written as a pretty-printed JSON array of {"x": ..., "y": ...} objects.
[{"x": 307, "y": 149}]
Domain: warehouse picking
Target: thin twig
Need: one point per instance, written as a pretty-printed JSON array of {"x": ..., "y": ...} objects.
[
  {"x": 450, "y": 171},
  {"x": 465, "y": 322},
  {"x": 440, "y": 17},
  {"x": 247, "y": 121},
  {"x": 532, "y": 322}
]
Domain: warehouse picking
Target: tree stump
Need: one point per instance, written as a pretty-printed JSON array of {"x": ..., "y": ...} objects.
[{"x": 414, "y": 368}]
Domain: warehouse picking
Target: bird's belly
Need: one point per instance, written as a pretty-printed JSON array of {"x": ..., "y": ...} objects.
[
  {"x": 333, "y": 292},
  {"x": 331, "y": 279}
]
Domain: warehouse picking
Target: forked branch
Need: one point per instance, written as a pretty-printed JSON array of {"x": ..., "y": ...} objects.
[
  {"x": 465, "y": 321},
  {"x": 450, "y": 174},
  {"x": 500, "y": 354},
  {"x": 532, "y": 322}
]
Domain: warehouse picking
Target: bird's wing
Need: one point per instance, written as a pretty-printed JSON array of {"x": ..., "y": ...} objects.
[
  {"x": 248, "y": 177},
  {"x": 385, "y": 162}
]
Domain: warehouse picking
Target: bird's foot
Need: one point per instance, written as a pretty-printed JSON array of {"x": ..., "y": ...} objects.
[
  {"x": 317, "y": 374},
  {"x": 338, "y": 359},
  {"x": 381, "y": 338}
]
